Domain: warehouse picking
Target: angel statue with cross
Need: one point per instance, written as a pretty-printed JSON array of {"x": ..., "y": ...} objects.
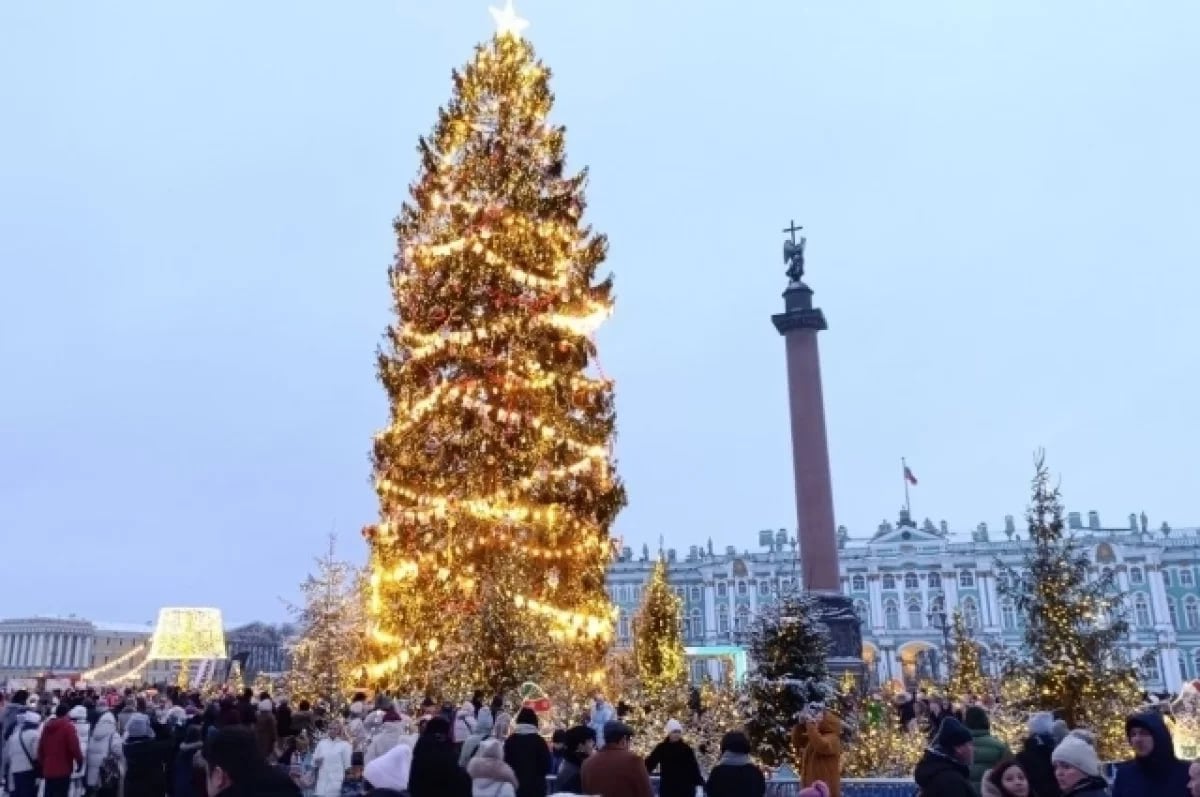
[{"x": 793, "y": 253}]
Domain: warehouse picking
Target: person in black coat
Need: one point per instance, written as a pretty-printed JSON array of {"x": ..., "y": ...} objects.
[
  {"x": 580, "y": 743},
  {"x": 1034, "y": 757},
  {"x": 945, "y": 769},
  {"x": 679, "y": 771},
  {"x": 1154, "y": 770},
  {"x": 527, "y": 753},
  {"x": 735, "y": 775},
  {"x": 435, "y": 771}
]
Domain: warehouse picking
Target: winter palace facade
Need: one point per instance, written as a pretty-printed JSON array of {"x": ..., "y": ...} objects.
[{"x": 907, "y": 581}]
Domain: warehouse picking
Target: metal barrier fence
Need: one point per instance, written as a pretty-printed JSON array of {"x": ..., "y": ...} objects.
[{"x": 851, "y": 787}]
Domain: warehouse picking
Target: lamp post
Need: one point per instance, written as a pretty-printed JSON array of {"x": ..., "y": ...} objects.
[{"x": 939, "y": 620}]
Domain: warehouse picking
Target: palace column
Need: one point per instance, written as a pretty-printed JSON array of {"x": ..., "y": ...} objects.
[{"x": 799, "y": 324}]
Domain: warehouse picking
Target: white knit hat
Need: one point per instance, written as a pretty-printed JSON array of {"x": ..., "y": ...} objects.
[
  {"x": 1077, "y": 750},
  {"x": 673, "y": 726}
]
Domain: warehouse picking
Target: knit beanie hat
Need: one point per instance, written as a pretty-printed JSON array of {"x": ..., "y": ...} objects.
[
  {"x": 527, "y": 716},
  {"x": 1077, "y": 750},
  {"x": 673, "y": 726},
  {"x": 817, "y": 789},
  {"x": 1059, "y": 730},
  {"x": 951, "y": 733},
  {"x": 1041, "y": 723},
  {"x": 976, "y": 719}
]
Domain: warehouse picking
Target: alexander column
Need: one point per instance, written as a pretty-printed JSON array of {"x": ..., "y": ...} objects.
[{"x": 799, "y": 324}]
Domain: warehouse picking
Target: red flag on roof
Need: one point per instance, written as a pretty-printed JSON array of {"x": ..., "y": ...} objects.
[{"x": 909, "y": 477}]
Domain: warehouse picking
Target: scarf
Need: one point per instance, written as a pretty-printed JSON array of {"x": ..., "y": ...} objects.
[{"x": 734, "y": 760}]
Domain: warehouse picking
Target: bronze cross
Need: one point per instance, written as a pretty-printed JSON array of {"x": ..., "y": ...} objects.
[{"x": 793, "y": 229}]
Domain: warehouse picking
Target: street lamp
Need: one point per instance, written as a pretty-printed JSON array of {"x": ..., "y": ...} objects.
[{"x": 938, "y": 619}]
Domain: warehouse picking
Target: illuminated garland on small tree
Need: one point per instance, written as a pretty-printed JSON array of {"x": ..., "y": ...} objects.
[
  {"x": 658, "y": 638},
  {"x": 967, "y": 679},
  {"x": 327, "y": 657},
  {"x": 1074, "y": 626}
]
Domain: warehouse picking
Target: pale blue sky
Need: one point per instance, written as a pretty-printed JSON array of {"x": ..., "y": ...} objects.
[{"x": 1001, "y": 200}]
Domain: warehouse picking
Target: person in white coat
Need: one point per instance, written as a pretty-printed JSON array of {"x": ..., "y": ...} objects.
[
  {"x": 391, "y": 732},
  {"x": 332, "y": 758},
  {"x": 464, "y": 723},
  {"x": 105, "y": 742},
  {"x": 490, "y": 776},
  {"x": 83, "y": 730},
  {"x": 21, "y": 752}
]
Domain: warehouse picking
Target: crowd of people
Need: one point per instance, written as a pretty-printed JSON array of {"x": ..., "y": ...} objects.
[
  {"x": 151, "y": 744},
  {"x": 965, "y": 760}
]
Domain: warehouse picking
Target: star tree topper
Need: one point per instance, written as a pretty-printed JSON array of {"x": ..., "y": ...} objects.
[{"x": 507, "y": 21}]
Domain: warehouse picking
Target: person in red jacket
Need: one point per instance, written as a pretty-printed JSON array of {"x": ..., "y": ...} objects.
[{"x": 59, "y": 753}]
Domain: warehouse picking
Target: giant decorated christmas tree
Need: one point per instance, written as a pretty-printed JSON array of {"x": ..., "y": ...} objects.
[{"x": 495, "y": 475}]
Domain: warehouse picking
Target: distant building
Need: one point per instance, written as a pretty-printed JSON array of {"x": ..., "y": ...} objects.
[
  {"x": 70, "y": 647},
  {"x": 32, "y": 647},
  {"x": 264, "y": 647},
  {"x": 906, "y": 581}
]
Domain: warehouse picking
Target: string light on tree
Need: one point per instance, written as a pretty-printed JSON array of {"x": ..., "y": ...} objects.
[
  {"x": 1074, "y": 624},
  {"x": 658, "y": 641},
  {"x": 967, "y": 679},
  {"x": 495, "y": 475}
]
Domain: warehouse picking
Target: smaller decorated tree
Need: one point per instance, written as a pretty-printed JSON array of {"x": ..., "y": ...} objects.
[
  {"x": 328, "y": 655},
  {"x": 788, "y": 647},
  {"x": 715, "y": 708},
  {"x": 966, "y": 675},
  {"x": 1074, "y": 626},
  {"x": 881, "y": 747},
  {"x": 658, "y": 639}
]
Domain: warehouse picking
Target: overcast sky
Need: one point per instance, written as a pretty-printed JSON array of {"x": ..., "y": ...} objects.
[{"x": 1001, "y": 199}]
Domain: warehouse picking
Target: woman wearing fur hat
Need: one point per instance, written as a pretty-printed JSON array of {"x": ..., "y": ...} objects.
[
  {"x": 679, "y": 770},
  {"x": 490, "y": 776},
  {"x": 1077, "y": 766}
]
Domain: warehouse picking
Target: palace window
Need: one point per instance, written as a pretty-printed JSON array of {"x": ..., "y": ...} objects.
[
  {"x": 697, "y": 622},
  {"x": 1173, "y": 612},
  {"x": 723, "y": 619},
  {"x": 722, "y": 590},
  {"x": 624, "y": 626},
  {"x": 1191, "y": 613},
  {"x": 1136, "y": 576},
  {"x": 864, "y": 613},
  {"x": 938, "y": 604},
  {"x": 742, "y": 623},
  {"x": 858, "y": 583},
  {"x": 935, "y": 580},
  {"x": 911, "y": 582},
  {"x": 1141, "y": 610},
  {"x": 1186, "y": 577},
  {"x": 966, "y": 578},
  {"x": 914, "y": 614},
  {"x": 1150, "y": 668},
  {"x": 1008, "y": 616},
  {"x": 741, "y": 587},
  {"x": 970, "y": 612},
  {"x": 889, "y": 581},
  {"x": 1196, "y": 663},
  {"x": 695, "y": 594},
  {"x": 764, "y": 587},
  {"x": 891, "y": 615}
]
